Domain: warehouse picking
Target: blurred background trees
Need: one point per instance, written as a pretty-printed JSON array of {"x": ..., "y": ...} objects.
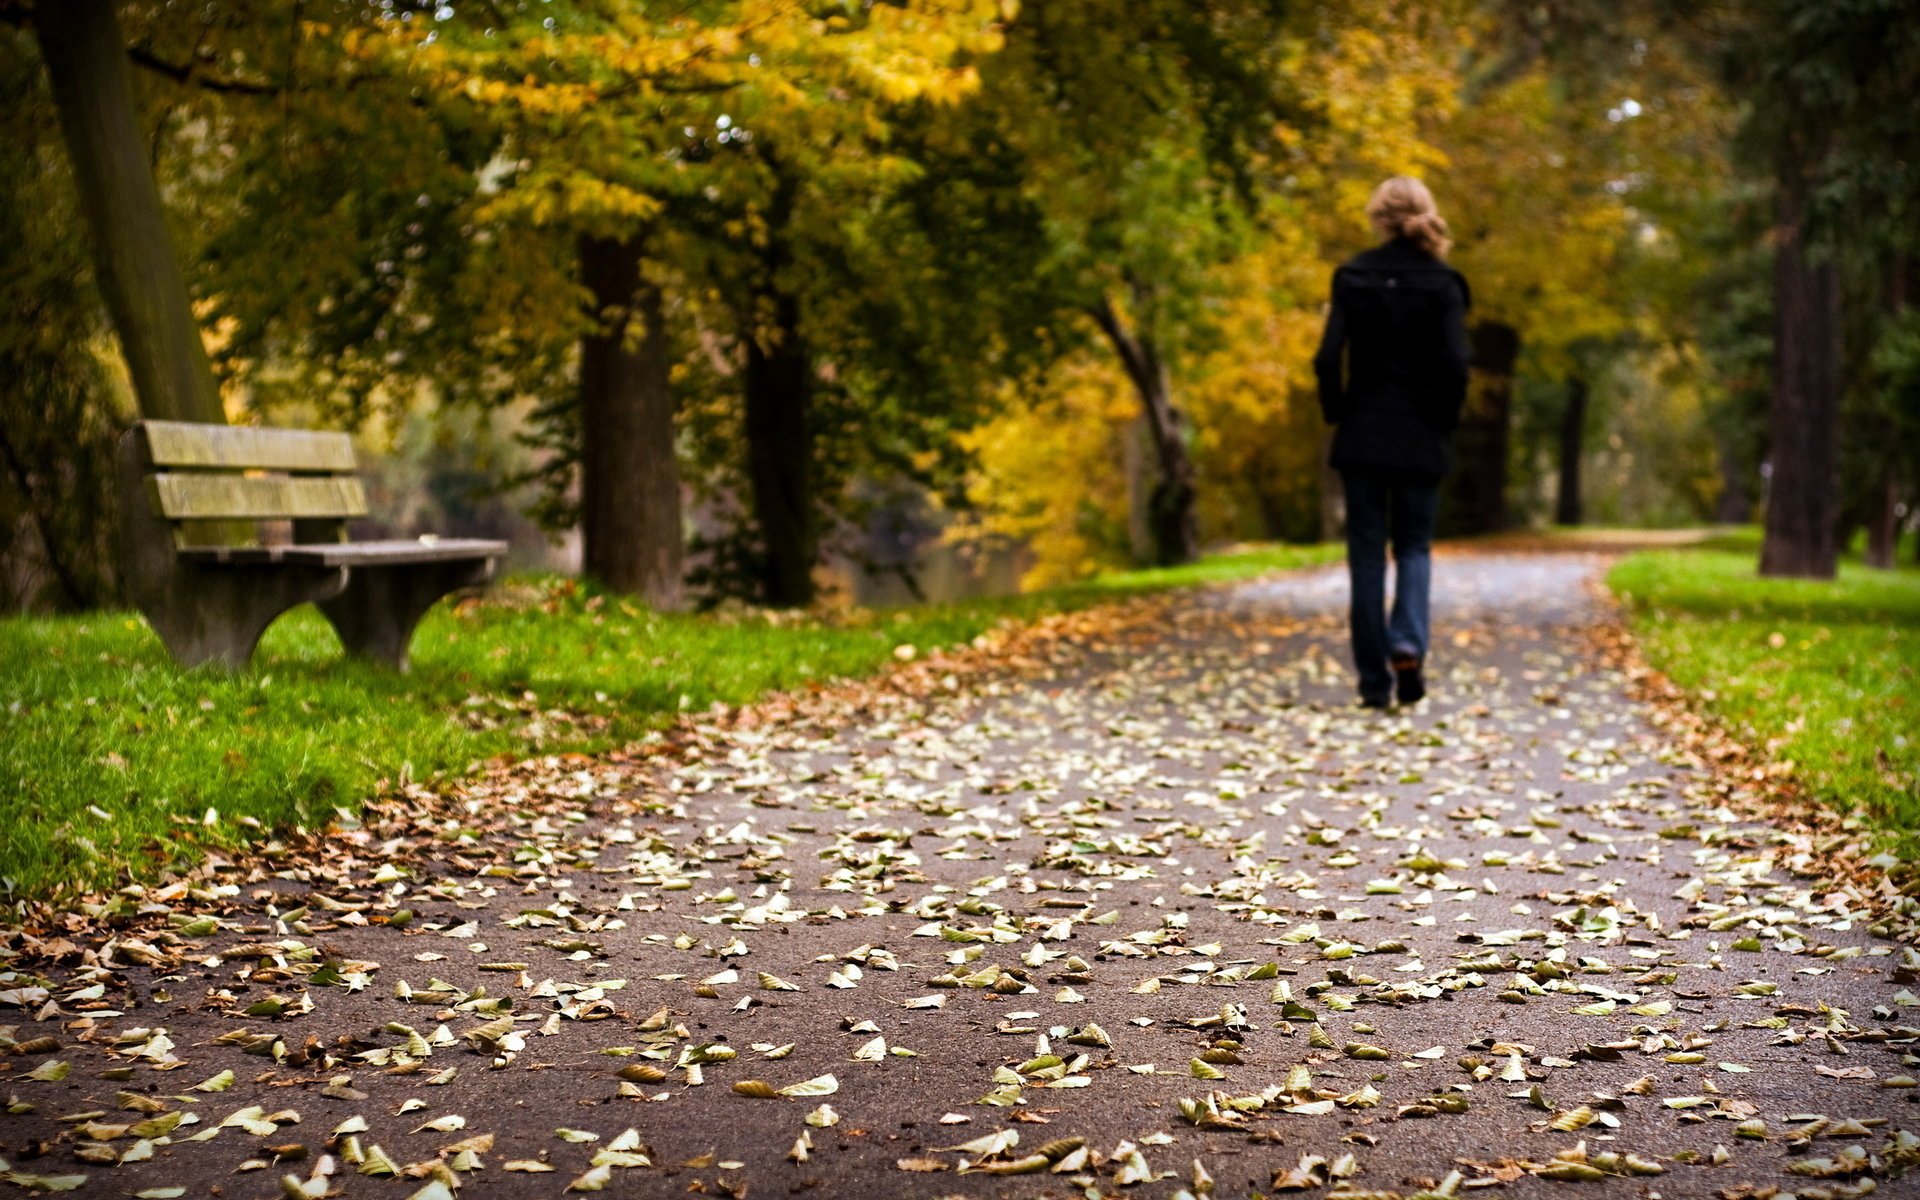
[{"x": 760, "y": 297}]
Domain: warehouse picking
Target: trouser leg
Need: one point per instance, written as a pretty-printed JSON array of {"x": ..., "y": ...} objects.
[
  {"x": 1413, "y": 505},
  {"x": 1367, "y": 570}
]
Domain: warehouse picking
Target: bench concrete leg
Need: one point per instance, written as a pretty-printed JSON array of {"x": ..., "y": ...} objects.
[
  {"x": 203, "y": 614},
  {"x": 377, "y": 612},
  {"x": 217, "y": 614}
]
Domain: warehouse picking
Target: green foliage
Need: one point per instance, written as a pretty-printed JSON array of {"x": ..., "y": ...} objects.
[
  {"x": 1881, "y": 416},
  {"x": 1825, "y": 675},
  {"x": 1830, "y": 85},
  {"x": 1141, "y": 134}
]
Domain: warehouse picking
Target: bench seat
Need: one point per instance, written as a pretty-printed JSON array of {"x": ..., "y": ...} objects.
[{"x": 393, "y": 552}]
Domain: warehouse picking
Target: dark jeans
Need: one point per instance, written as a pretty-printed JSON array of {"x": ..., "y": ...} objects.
[{"x": 1379, "y": 501}]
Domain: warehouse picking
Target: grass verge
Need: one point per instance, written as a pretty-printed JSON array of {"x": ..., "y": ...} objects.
[
  {"x": 114, "y": 760},
  {"x": 1825, "y": 675}
]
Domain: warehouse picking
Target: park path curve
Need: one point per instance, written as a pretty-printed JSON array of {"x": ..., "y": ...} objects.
[{"x": 1154, "y": 897}]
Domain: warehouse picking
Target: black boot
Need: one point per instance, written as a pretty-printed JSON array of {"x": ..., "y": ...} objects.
[{"x": 1408, "y": 683}]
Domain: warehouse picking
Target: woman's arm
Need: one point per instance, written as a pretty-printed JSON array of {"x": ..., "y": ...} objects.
[{"x": 1327, "y": 360}]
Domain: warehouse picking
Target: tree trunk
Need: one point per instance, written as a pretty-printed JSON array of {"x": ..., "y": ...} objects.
[
  {"x": 1140, "y": 463},
  {"x": 1735, "y": 505},
  {"x": 1476, "y": 493},
  {"x": 1803, "y": 491},
  {"x": 1573, "y": 429},
  {"x": 134, "y": 258},
  {"x": 1333, "y": 496},
  {"x": 778, "y": 381},
  {"x": 629, "y": 477},
  {"x": 1883, "y": 525},
  {"x": 1170, "y": 509}
]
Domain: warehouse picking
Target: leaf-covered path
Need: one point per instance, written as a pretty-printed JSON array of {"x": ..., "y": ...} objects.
[{"x": 1137, "y": 906}]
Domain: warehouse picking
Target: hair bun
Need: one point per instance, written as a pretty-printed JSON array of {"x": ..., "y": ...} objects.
[
  {"x": 1403, "y": 207},
  {"x": 1429, "y": 231}
]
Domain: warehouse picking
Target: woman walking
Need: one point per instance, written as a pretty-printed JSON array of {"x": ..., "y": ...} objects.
[{"x": 1392, "y": 369}]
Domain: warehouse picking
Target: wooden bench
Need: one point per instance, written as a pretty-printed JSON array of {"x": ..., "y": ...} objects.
[{"x": 191, "y": 500}]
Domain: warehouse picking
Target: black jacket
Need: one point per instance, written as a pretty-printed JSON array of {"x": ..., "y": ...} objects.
[{"x": 1400, "y": 316}]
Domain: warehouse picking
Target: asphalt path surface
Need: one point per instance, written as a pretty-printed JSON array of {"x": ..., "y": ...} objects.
[{"x": 1158, "y": 910}]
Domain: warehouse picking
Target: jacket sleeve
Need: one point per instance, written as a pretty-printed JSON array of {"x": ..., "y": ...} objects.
[
  {"x": 1327, "y": 360},
  {"x": 1456, "y": 356}
]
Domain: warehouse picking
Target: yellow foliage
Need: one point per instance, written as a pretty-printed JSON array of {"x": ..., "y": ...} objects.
[
  {"x": 1050, "y": 469},
  {"x": 1256, "y": 428},
  {"x": 1521, "y": 176},
  {"x": 609, "y": 102}
]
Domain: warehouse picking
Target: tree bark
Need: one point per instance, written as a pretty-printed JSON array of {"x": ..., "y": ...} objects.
[
  {"x": 778, "y": 382},
  {"x": 1333, "y": 497},
  {"x": 629, "y": 476},
  {"x": 1476, "y": 493},
  {"x": 1735, "y": 505},
  {"x": 1573, "y": 429},
  {"x": 1803, "y": 491},
  {"x": 134, "y": 257},
  {"x": 1171, "y": 518},
  {"x": 1883, "y": 525}
]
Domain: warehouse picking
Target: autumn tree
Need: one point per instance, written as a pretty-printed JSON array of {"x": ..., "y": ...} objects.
[
  {"x": 1137, "y": 132},
  {"x": 135, "y": 264},
  {"x": 1243, "y": 260},
  {"x": 713, "y": 149}
]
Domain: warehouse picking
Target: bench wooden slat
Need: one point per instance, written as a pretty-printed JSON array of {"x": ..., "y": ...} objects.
[
  {"x": 351, "y": 554},
  {"x": 189, "y": 497},
  {"x": 238, "y": 447}
]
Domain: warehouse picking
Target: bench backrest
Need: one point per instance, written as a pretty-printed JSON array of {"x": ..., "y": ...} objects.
[{"x": 230, "y": 474}]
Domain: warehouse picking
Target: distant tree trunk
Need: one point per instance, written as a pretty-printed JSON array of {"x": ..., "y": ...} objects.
[
  {"x": 1333, "y": 497},
  {"x": 1803, "y": 493},
  {"x": 1883, "y": 525},
  {"x": 1573, "y": 428},
  {"x": 1476, "y": 493},
  {"x": 1735, "y": 505},
  {"x": 1140, "y": 463},
  {"x": 134, "y": 258},
  {"x": 629, "y": 478},
  {"x": 1170, "y": 509},
  {"x": 778, "y": 381}
]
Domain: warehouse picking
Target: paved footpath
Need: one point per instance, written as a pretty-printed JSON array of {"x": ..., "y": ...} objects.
[{"x": 1156, "y": 910}]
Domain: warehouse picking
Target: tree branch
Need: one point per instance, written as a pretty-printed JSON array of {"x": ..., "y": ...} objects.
[
  {"x": 1133, "y": 356},
  {"x": 189, "y": 73}
]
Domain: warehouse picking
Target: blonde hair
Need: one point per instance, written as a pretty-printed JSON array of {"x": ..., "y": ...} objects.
[{"x": 1403, "y": 207}]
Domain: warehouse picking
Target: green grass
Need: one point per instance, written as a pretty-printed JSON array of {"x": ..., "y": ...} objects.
[
  {"x": 1824, "y": 674},
  {"x": 111, "y": 757}
]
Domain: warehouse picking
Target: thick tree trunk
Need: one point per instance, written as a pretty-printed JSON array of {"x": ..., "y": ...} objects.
[
  {"x": 779, "y": 396},
  {"x": 1475, "y": 497},
  {"x": 1170, "y": 509},
  {"x": 134, "y": 258},
  {"x": 629, "y": 477},
  {"x": 1803, "y": 503},
  {"x": 1573, "y": 429}
]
